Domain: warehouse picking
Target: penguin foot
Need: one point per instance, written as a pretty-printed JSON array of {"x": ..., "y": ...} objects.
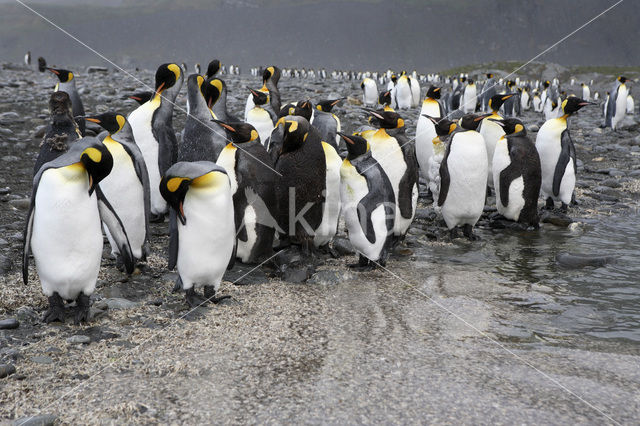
[
  {"x": 209, "y": 295},
  {"x": 549, "y": 205},
  {"x": 156, "y": 218},
  {"x": 453, "y": 233},
  {"x": 363, "y": 265},
  {"x": 467, "y": 230},
  {"x": 177, "y": 286},
  {"x": 82, "y": 309},
  {"x": 194, "y": 299},
  {"x": 55, "y": 311},
  {"x": 564, "y": 208},
  {"x": 119, "y": 263},
  {"x": 329, "y": 250}
]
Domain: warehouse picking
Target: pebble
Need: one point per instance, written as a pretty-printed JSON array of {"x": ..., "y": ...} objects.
[
  {"x": 11, "y": 353},
  {"x": 297, "y": 275},
  {"x": 27, "y": 314},
  {"x": 6, "y": 370},
  {"x": 9, "y": 324},
  {"x": 5, "y": 264},
  {"x": 569, "y": 260},
  {"x": 4, "y": 191},
  {"x": 326, "y": 277},
  {"x": 21, "y": 203},
  {"x": 40, "y": 420},
  {"x": 343, "y": 246},
  {"x": 611, "y": 183},
  {"x": 79, "y": 338},
  {"x": 42, "y": 359}
]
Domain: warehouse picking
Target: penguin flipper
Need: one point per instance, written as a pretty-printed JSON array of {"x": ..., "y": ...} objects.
[
  {"x": 28, "y": 229},
  {"x": 363, "y": 208},
  {"x": 116, "y": 228},
  {"x": 508, "y": 175},
  {"x": 167, "y": 147},
  {"x": 445, "y": 178},
  {"x": 143, "y": 175},
  {"x": 173, "y": 240},
  {"x": 563, "y": 160}
]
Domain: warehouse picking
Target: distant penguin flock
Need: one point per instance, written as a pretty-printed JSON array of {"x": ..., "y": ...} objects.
[{"x": 281, "y": 176}]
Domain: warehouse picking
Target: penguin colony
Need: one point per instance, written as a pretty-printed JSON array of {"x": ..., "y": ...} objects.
[{"x": 241, "y": 189}]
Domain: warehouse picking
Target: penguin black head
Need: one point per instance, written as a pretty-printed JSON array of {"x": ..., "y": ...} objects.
[
  {"x": 546, "y": 84},
  {"x": 239, "y": 132},
  {"x": 141, "y": 97},
  {"x": 259, "y": 97},
  {"x": 511, "y": 126},
  {"x": 573, "y": 104},
  {"x": 622, "y": 79},
  {"x": 472, "y": 121},
  {"x": 356, "y": 145},
  {"x": 327, "y": 105},
  {"x": 60, "y": 105},
  {"x": 463, "y": 79},
  {"x": 385, "y": 98},
  {"x": 166, "y": 76},
  {"x": 470, "y": 81},
  {"x": 213, "y": 68},
  {"x": 304, "y": 109},
  {"x": 271, "y": 73},
  {"x": 489, "y": 75},
  {"x": 98, "y": 161},
  {"x": 496, "y": 101},
  {"x": 386, "y": 119},
  {"x": 212, "y": 90},
  {"x": 394, "y": 78},
  {"x": 110, "y": 121},
  {"x": 434, "y": 92},
  {"x": 63, "y": 75},
  {"x": 443, "y": 126},
  {"x": 42, "y": 64},
  {"x": 511, "y": 83},
  {"x": 296, "y": 131}
]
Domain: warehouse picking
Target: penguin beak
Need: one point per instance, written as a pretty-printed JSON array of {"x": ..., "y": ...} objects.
[
  {"x": 93, "y": 120},
  {"x": 135, "y": 98},
  {"x": 92, "y": 186},
  {"x": 223, "y": 124},
  {"x": 180, "y": 214},
  {"x": 585, "y": 103},
  {"x": 482, "y": 117},
  {"x": 346, "y": 138},
  {"x": 55, "y": 71},
  {"x": 160, "y": 88},
  {"x": 253, "y": 92}
]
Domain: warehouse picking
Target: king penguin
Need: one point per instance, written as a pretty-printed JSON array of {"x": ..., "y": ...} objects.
[
  {"x": 391, "y": 148},
  {"x": 369, "y": 92},
  {"x": 488, "y": 91},
  {"x": 326, "y": 122},
  {"x": 153, "y": 132},
  {"x": 617, "y": 104},
  {"x": 212, "y": 69},
  {"x": 491, "y": 131},
  {"x": 425, "y": 129},
  {"x": 261, "y": 116},
  {"x": 204, "y": 238},
  {"x": 586, "y": 93},
  {"x": 63, "y": 228},
  {"x": 218, "y": 97},
  {"x": 517, "y": 174},
  {"x": 61, "y": 131},
  {"x": 403, "y": 97},
  {"x": 127, "y": 186},
  {"x": 469, "y": 97},
  {"x": 201, "y": 140},
  {"x": 368, "y": 202},
  {"x": 302, "y": 166},
  {"x": 463, "y": 178},
  {"x": 270, "y": 79},
  {"x": 67, "y": 83},
  {"x": 558, "y": 155},
  {"x": 253, "y": 180}
]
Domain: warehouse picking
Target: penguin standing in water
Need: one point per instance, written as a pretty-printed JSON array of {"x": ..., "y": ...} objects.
[
  {"x": 369, "y": 92},
  {"x": 302, "y": 166},
  {"x": 326, "y": 122},
  {"x": 391, "y": 148},
  {"x": 463, "y": 178},
  {"x": 253, "y": 181},
  {"x": 469, "y": 97},
  {"x": 558, "y": 155},
  {"x": 368, "y": 203},
  {"x": 517, "y": 174},
  {"x": 617, "y": 104},
  {"x": 491, "y": 131},
  {"x": 127, "y": 186},
  {"x": 425, "y": 129},
  {"x": 204, "y": 239},
  {"x": 201, "y": 141},
  {"x": 61, "y": 131},
  {"x": 67, "y": 83},
  {"x": 153, "y": 132},
  {"x": 261, "y": 116},
  {"x": 63, "y": 229}
]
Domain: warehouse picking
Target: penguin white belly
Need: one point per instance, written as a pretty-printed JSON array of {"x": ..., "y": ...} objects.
[
  {"x": 467, "y": 165},
  {"x": 403, "y": 94},
  {"x": 261, "y": 120},
  {"x": 434, "y": 178},
  {"x": 249, "y": 106},
  {"x": 354, "y": 188},
  {"x": 386, "y": 151},
  {"x": 469, "y": 99},
  {"x": 425, "y": 133},
  {"x": 501, "y": 160},
  {"x": 66, "y": 239},
  {"x": 621, "y": 108},
  {"x": 415, "y": 92},
  {"x": 206, "y": 241},
  {"x": 630, "y": 104},
  {"x": 431, "y": 108},
  {"x": 549, "y": 149},
  {"x": 338, "y": 129},
  {"x": 331, "y": 208},
  {"x": 369, "y": 93},
  {"x": 568, "y": 184},
  {"x": 140, "y": 121},
  {"x": 524, "y": 101},
  {"x": 125, "y": 193},
  {"x": 537, "y": 104},
  {"x": 586, "y": 93},
  {"x": 243, "y": 252},
  {"x": 491, "y": 132}
]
